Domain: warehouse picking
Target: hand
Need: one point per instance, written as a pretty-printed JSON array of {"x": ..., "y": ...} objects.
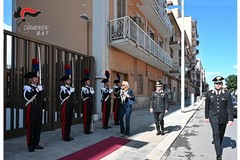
[
  {"x": 166, "y": 111},
  {"x": 91, "y": 90},
  {"x": 110, "y": 90},
  {"x": 151, "y": 110},
  {"x": 39, "y": 88},
  {"x": 72, "y": 89},
  {"x": 230, "y": 123},
  {"x": 207, "y": 120}
]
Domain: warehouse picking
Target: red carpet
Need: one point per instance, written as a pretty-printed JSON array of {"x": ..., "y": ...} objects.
[{"x": 97, "y": 150}]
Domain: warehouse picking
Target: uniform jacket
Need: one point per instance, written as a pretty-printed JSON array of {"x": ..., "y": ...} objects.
[
  {"x": 32, "y": 95},
  {"x": 106, "y": 94},
  {"x": 116, "y": 91},
  {"x": 159, "y": 101},
  {"x": 87, "y": 93},
  {"x": 65, "y": 94},
  {"x": 219, "y": 108}
]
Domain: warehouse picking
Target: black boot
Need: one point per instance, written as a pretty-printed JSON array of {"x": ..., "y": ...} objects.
[
  {"x": 219, "y": 157},
  {"x": 162, "y": 127},
  {"x": 158, "y": 129}
]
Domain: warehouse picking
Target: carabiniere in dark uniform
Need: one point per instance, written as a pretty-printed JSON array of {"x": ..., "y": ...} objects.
[
  {"x": 219, "y": 110},
  {"x": 33, "y": 100},
  {"x": 87, "y": 94}
]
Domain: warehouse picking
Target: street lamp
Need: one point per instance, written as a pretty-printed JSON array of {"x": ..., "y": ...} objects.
[
  {"x": 182, "y": 62},
  {"x": 87, "y": 18}
]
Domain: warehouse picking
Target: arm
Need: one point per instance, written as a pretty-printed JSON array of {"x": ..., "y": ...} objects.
[
  {"x": 166, "y": 103},
  {"x": 151, "y": 103},
  {"x": 130, "y": 95},
  {"x": 207, "y": 106},
  {"x": 230, "y": 109}
]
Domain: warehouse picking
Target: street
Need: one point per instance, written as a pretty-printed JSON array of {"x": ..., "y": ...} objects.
[{"x": 194, "y": 142}]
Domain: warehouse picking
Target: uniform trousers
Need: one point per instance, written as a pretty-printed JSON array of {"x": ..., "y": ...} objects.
[
  {"x": 87, "y": 115},
  {"x": 106, "y": 108},
  {"x": 218, "y": 131},
  {"x": 33, "y": 124},
  {"x": 116, "y": 105},
  {"x": 158, "y": 116},
  {"x": 66, "y": 117}
]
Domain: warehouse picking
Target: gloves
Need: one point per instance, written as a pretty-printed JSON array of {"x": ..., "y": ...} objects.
[
  {"x": 151, "y": 110},
  {"x": 72, "y": 89},
  {"x": 91, "y": 90},
  {"x": 110, "y": 90},
  {"x": 39, "y": 88}
]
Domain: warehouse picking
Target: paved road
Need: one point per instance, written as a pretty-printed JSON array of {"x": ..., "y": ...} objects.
[{"x": 194, "y": 142}]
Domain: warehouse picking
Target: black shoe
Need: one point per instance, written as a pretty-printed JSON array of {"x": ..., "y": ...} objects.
[
  {"x": 158, "y": 133},
  {"x": 90, "y": 132},
  {"x": 31, "y": 149},
  {"x": 116, "y": 124},
  {"x": 162, "y": 133},
  {"x": 86, "y": 132},
  {"x": 219, "y": 157},
  {"x": 122, "y": 135},
  {"x": 38, "y": 147},
  {"x": 109, "y": 127},
  {"x": 70, "y": 138},
  {"x": 105, "y": 127},
  {"x": 66, "y": 139}
]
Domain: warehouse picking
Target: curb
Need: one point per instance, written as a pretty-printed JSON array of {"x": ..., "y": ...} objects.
[{"x": 158, "y": 152}]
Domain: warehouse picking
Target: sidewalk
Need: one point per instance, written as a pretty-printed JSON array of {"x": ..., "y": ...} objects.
[{"x": 144, "y": 144}]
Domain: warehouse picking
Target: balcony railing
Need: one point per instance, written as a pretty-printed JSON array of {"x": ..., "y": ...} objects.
[
  {"x": 164, "y": 16},
  {"x": 126, "y": 29}
]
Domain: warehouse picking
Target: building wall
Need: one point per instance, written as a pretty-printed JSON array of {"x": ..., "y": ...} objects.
[
  {"x": 64, "y": 27},
  {"x": 68, "y": 30}
]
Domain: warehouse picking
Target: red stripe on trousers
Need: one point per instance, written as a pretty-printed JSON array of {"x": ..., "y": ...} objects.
[
  {"x": 28, "y": 124},
  {"x": 115, "y": 111},
  {"x": 104, "y": 113},
  {"x": 85, "y": 116},
  {"x": 63, "y": 115}
]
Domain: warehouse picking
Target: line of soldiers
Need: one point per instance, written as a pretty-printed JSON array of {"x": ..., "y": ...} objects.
[{"x": 33, "y": 99}]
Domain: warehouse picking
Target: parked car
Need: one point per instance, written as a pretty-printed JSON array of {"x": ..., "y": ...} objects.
[{"x": 234, "y": 102}]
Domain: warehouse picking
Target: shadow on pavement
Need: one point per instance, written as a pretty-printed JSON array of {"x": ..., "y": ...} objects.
[
  {"x": 228, "y": 142},
  {"x": 169, "y": 129}
]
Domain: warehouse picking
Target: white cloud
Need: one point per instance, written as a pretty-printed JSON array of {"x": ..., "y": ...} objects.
[
  {"x": 7, "y": 27},
  {"x": 235, "y": 66}
]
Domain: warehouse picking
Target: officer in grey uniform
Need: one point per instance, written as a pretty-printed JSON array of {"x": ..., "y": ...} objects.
[
  {"x": 159, "y": 106},
  {"x": 219, "y": 112}
]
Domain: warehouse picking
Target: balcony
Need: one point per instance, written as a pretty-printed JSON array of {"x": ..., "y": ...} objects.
[
  {"x": 127, "y": 36},
  {"x": 154, "y": 11},
  {"x": 175, "y": 45},
  {"x": 195, "y": 52},
  {"x": 176, "y": 71}
]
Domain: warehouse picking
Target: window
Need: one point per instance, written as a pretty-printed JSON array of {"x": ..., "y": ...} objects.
[
  {"x": 121, "y": 8},
  {"x": 140, "y": 84}
]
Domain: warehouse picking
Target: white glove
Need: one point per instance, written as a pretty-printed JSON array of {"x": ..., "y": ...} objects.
[
  {"x": 151, "y": 110},
  {"x": 39, "y": 88},
  {"x": 110, "y": 90},
  {"x": 72, "y": 89},
  {"x": 91, "y": 90}
]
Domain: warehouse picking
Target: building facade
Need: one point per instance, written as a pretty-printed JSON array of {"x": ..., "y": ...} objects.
[{"x": 139, "y": 39}]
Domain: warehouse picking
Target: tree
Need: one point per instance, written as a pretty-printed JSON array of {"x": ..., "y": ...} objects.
[{"x": 231, "y": 82}]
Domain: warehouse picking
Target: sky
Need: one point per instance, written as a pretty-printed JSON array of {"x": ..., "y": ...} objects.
[{"x": 217, "y": 29}]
